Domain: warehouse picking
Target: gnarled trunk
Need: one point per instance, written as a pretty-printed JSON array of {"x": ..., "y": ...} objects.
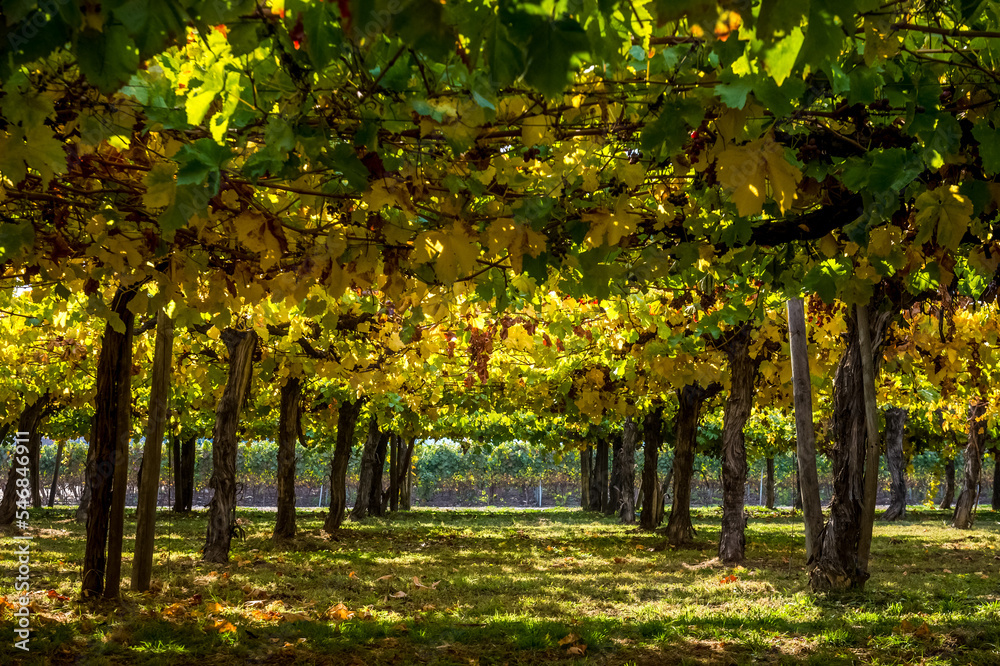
[
  {"x": 406, "y": 476},
  {"x": 149, "y": 479},
  {"x": 379, "y": 500},
  {"x": 599, "y": 476},
  {"x": 370, "y": 459},
  {"x": 732, "y": 539},
  {"x": 625, "y": 467},
  {"x": 690, "y": 399},
  {"x": 996, "y": 480},
  {"x": 965, "y": 506},
  {"x": 55, "y": 474},
  {"x": 347, "y": 419},
  {"x": 895, "y": 423},
  {"x": 585, "y": 463},
  {"x": 949, "y": 484},
  {"x": 837, "y": 556},
  {"x": 289, "y": 427},
  {"x": 222, "y": 509},
  {"x": 109, "y": 438},
  {"x": 84, "y": 506},
  {"x": 27, "y": 432},
  {"x": 769, "y": 483},
  {"x": 184, "y": 454},
  {"x": 652, "y": 493},
  {"x": 613, "y": 502}
]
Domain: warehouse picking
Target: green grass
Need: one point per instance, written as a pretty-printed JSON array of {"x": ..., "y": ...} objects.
[{"x": 513, "y": 585}]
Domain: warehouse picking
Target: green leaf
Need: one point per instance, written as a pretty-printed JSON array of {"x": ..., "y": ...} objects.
[
  {"x": 781, "y": 58},
  {"x": 989, "y": 147},
  {"x": 345, "y": 160},
  {"x": 323, "y": 35},
  {"x": 15, "y": 237},
  {"x": 823, "y": 278},
  {"x": 109, "y": 58},
  {"x": 670, "y": 129},
  {"x": 421, "y": 24},
  {"x": 550, "y": 53}
]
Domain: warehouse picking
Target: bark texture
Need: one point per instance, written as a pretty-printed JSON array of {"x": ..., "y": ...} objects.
[
  {"x": 806, "y": 477},
  {"x": 149, "y": 479},
  {"x": 690, "y": 398},
  {"x": 743, "y": 371},
  {"x": 613, "y": 503},
  {"x": 949, "y": 484},
  {"x": 406, "y": 476},
  {"x": 769, "y": 484},
  {"x": 599, "y": 476},
  {"x": 965, "y": 505},
  {"x": 184, "y": 454},
  {"x": 55, "y": 474},
  {"x": 111, "y": 428},
  {"x": 84, "y": 507},
  {"x": 347, "y": 420},
  {"x": 371, "y": 458},
  {"x": 895, "y": 424},
  {"x": 836, "y": 559},
  {"x": 996, "y": 481},
  {"x": 222, "y": 524},
  {"x": 585, "y": 464},
  {"x": 29, "y": 422},
  {"x": 289, "y": 429},
  {"x": 652, "y": 492},
  {"x": 625, "y": 467}
]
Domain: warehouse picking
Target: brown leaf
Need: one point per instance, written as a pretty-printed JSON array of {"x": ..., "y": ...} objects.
[
  {"x": 577, "y": 649},
  {"x": 398, "y": 595},
  {"x": 221, "y": 626},
  {"x": 923, "y": 631},
  {"x": 570, "y": 638},
  {"x": 294, "y": 617},
  {"x": 385, "y": 577}
]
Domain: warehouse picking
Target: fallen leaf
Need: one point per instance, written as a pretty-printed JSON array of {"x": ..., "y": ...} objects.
[
  {"x": 923, "y": 631},
  {"x": 385, "y": 577},
  {"x": 294, "y": 617},
  {"x": 55, "y": 595},
  {"x": 619, "y": 560},
  {"x": 214, "y": 607},
  {"x": 221, "y": 626},
  {"x": 339, "y": 613},
  {"x": 577, "y": 649},
  {"x": 398, "y": 595},
  {"x": 571, "y": 638},
  {"x": 352, "y": 575}
]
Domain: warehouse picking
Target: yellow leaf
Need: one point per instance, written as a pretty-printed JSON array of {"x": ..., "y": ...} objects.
[
  {"x": 571, "y": 638},
  {"x": 745, "y": 170},
  {"x": 518, "y": 338},
  {"x": 535, "y": 130},
  {"x": 453, "y": 252},
  {"x": 160, "y": 185},
  {"x": 221, "y": 626},
  {"x": 214, "y": 607},
  {"x": 948, "y": 211},
  {"x": 607, "y": 228},
  {"x": 505, "y": 236}
]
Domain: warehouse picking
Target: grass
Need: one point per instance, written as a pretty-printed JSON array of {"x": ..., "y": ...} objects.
[{"x": 515, "y": 587}]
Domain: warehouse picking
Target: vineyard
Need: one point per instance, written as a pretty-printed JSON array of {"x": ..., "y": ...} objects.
[{"x": 286, "y": 285}]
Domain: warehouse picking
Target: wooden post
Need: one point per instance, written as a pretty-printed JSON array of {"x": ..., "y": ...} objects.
[
  {"x": 55, "y": 474},
  {"x": 805, "y": 435},
  {"x": 874, "y": 441},
  {"x": 149, "y": 483}
]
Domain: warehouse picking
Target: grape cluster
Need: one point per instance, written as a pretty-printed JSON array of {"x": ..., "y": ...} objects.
[{"x": 480, "y": 348}]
